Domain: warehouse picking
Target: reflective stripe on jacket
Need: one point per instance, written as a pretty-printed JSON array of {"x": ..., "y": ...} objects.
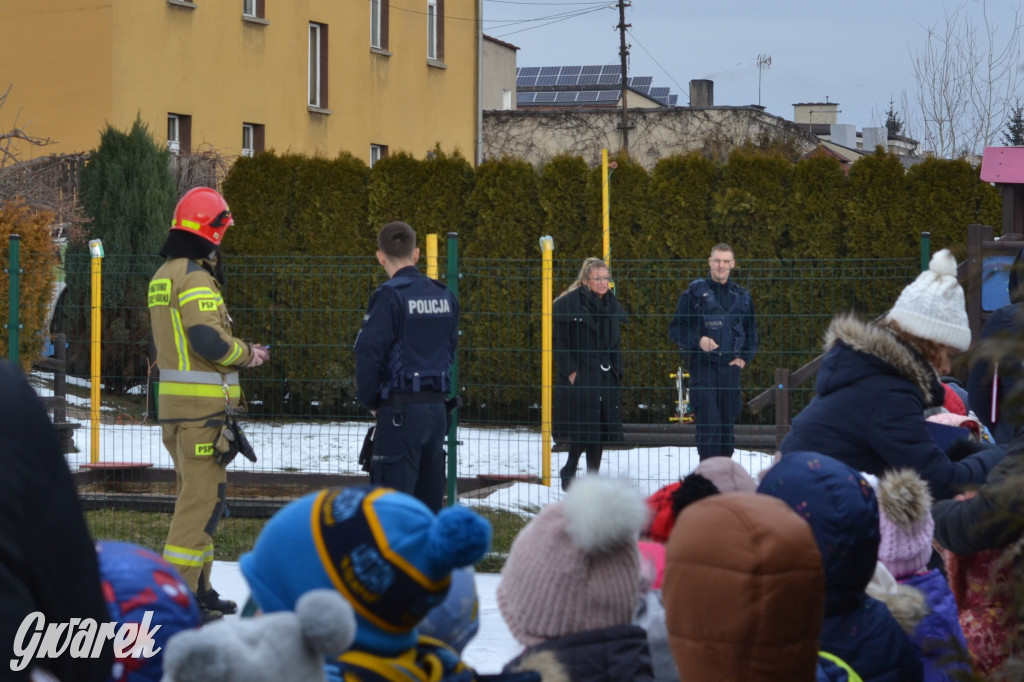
[{"x": 196, "y": 352}]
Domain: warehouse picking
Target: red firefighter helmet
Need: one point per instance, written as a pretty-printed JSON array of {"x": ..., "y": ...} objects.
[{"x": 204, "y": 212}]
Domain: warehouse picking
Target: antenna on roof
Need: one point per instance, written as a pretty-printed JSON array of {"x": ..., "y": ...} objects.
[{"x": 764, "y": 61}]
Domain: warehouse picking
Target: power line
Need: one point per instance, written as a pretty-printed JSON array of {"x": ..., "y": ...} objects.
[
  {"x": 518, "y": 2},
  {"x": 648, "y": 53},
  {"x": 573, "y": 15}
]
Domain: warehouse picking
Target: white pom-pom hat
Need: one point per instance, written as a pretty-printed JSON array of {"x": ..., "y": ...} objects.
[
  {"x": 932, "y": 307},
  {"x": 576, "y": 565}
]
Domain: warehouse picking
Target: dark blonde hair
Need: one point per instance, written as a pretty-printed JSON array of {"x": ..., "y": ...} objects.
[
  {"x": 589, "y": 265},
  {"x": 932, "y": 351}
]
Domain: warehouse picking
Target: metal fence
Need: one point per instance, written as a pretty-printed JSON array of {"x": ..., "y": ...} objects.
[{"x": 307, "y": 428}]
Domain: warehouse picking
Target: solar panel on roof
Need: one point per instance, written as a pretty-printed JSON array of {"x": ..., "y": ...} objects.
[
  {"x": 608, "y": 96},
  {"x": 526, "y": 81},
  {"x": 641, "y": 81},
  {"x": 545, "y": 97},
  {"x": 524, "y": 97},
  {"x": 659, "y": 92},
  {"x": 609, "y": 80},
  {"x": 642, "y": 89},
  {"x": 595, "y": 70},
  {"x": 587, "y": 96},
  {"x": 672, "y": 99},
  {"x": 546, "y": 80},
  {"x": 566, "y": 80},
  {"x": 571, "y": 70},
  {"x": 549, "y": 70},
  {"x": 589, "y": 79},
  {"x": 529, "y": 71},
  {"x": 611, "y": 68},
  {"x": 565, "y": 96}
]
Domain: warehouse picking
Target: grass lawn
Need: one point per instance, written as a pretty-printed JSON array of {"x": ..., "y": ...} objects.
[{"x": 235, "y": 536}]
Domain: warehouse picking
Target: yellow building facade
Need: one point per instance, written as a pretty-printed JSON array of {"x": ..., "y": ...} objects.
[{"x": 315, "y": 77}]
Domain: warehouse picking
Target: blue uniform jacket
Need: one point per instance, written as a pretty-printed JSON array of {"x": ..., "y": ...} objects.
[
  {"x": 872, "y": 391},
  {"x": 704, "y": 309},
  {"x": 841, "y": 508},
  {"x": 408, "y": 339}
]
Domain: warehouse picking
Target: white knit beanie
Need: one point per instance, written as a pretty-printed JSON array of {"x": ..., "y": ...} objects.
[
  {"x": 575, "y": 566},
  {"x": 932, "y": 307}
]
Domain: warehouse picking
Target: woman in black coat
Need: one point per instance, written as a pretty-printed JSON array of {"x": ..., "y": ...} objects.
[{"x": 587, "y": 340}]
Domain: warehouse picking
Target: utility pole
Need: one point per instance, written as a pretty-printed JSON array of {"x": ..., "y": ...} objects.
[{"x": 623, "y": 55}]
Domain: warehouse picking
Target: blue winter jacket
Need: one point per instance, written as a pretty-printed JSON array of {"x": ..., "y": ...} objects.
[
  {"x": 938, "y": 638},
  {"x": 872, "y": 391},
  {"x": 841, "y": 508}
]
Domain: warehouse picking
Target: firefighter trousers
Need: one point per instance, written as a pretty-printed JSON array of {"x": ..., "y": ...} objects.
[{"x": 202, "y": 484}]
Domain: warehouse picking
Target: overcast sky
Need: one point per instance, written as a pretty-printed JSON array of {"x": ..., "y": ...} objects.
[{"x": 858, "y": 54}]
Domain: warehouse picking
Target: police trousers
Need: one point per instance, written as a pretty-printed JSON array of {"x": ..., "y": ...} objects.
[
  {"x": 202, "y": 484},
  {"x": 408, "y": 451},
  {"x": 716, "y": 401}
]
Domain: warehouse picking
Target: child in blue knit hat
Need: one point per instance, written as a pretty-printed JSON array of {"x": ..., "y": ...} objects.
[
  {"x": 388, "y": 555},
  {"x": 139, "y": 586}
]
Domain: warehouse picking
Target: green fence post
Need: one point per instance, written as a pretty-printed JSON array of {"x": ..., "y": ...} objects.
[
  {"x": 14, "y": 302},
  {"x": 926, "y": 250},
  {"x": 453, "y": 435}
]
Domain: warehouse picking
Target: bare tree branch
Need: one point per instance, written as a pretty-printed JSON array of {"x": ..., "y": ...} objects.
[
  {"x": 967, "y": 77},
  {"x": 9, "y": 139}
]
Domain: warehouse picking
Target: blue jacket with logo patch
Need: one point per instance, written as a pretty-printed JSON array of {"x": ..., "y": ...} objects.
[{"x": 408, "y": 339}]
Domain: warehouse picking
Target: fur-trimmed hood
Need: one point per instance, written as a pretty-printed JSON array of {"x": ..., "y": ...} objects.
[{"x": 882, "y": 345}]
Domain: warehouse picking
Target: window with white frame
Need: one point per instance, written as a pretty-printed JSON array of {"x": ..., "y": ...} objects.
[
  {"x": 173, "y": 133},
  {"x": 375, "y": 24},
  {"x": 431, "y": 29},
  {"x": 253, "y": 136},
  {"x": 247, "y": 140},
  {"x": 254, "y": 9},
  {"x": 435, "y": 30},
  {"x": 377, "y": 152},
  {"x": 317, "y": 65},
  {"x": 179, "y": 133}
]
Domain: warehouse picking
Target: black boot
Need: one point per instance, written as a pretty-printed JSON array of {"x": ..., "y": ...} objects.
[
  {"x": 208, "y": 597},
  {"x": 212, "y": 601},
  {"x": 568, "y": 472},
  {"x": 594, "y": 453},
  {"x": 206, "y": 615}
]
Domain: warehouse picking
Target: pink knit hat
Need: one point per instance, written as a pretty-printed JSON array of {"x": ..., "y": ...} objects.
[
  {"x": 727, "y": 475},
  {"x": 575, "y": 566},
  {"x": 905, "y": 522}
]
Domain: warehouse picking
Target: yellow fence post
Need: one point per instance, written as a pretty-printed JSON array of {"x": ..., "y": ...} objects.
[
  {"x": 96, "y": 250},
  {"x": 606, "y": 209},
  {"x": 547, "y": 247},
  {"x": 432, "y": 256}
]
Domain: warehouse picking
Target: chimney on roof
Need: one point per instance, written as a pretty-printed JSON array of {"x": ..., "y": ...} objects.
[
  {"x": 844, "y": 134},
  {"x": 875, "y": 137},
  {"x": 702, "y": 93}
]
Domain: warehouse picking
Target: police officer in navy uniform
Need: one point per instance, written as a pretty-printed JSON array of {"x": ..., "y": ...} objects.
[
  {"x": 404, "y": 354},
  {"x": 715, "y": 326}
]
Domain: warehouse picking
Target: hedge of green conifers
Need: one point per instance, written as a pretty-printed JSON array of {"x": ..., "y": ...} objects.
[{"x": 793, "y": 219}]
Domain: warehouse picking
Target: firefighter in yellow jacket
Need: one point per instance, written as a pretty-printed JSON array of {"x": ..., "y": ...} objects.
[{"x": 199, "y": 358}]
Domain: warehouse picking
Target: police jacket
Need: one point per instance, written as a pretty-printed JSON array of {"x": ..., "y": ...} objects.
[
  {"x": 408, "y": 338},
  {"x": 195, "y": 349},
  {"x": 723, "y": 312}
]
